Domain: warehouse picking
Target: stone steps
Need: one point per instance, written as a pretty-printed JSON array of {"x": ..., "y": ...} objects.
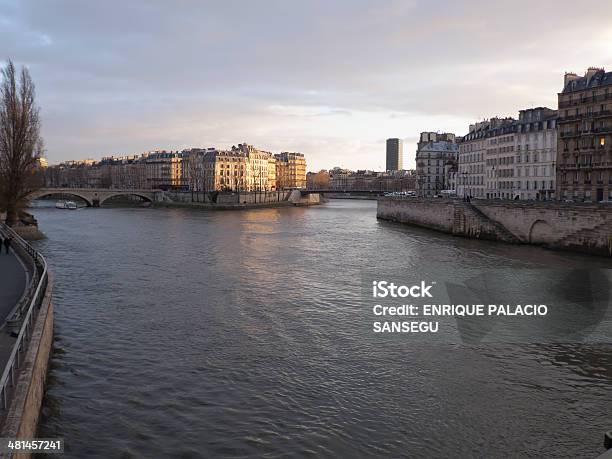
[{"x": 471, "y": 221}]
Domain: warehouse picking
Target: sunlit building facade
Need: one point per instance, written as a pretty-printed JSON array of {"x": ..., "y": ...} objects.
[{"x": 290, "y": 170}]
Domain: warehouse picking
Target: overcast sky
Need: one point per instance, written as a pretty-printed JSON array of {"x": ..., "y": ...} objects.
[{"x": 331, "y": 78}]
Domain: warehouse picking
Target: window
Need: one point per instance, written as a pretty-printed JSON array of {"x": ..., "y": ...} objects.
[{"x": 602, "y": 141}]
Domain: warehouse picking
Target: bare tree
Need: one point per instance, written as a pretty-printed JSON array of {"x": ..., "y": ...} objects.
[{"x": 20, "y": 141}]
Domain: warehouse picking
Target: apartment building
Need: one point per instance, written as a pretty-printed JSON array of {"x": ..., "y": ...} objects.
[
  {"x": 226, "y": 170},
  {"x": 474, "y": 172},
  {"x": 367, "y": 180},
  {"x": 257, "y": 171},
  {"x": 499, "y": 160},
  {"x": 290, "y": 170},
  {"x": 272, "y": 180},
  {"x": 535, "y": 151},
  {"x": 584, "y": 140},
  {"x": 436, "y": 163},
  {"x": 243, "y": 168},
  {"x": 162, "y": 170}
]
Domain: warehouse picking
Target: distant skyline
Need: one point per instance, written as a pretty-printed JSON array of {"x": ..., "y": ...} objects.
[{"x": 332, "y": 80}]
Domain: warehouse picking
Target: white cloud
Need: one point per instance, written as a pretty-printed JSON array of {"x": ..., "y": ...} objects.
[{"x": 331, "y": 79}]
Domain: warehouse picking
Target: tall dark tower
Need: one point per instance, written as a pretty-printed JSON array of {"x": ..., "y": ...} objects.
[{"x": 394, "y": 155}]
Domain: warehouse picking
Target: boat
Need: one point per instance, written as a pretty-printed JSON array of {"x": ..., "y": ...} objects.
[{"x": 66, "y": 205}]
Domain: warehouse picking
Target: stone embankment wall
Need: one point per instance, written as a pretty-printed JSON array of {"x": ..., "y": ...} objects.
[
  {"x": 307, "y": 199},
  {"x": 348, "y": 195},
  {"x": 579, "y": 227},
  {"x": 238, "y": 200},
  {"x": 227, "y": 198},
  {"x": 22, "y": 419}
]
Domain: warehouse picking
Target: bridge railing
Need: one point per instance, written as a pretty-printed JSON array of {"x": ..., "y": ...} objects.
[{"x": 24, "y": 315}]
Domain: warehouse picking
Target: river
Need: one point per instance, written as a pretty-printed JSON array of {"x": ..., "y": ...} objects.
[{"x": 185, "y": 333}]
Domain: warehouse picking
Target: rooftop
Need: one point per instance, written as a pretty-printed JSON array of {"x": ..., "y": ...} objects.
[
  {"x": 592, "y": 78},
  {"x": 439, "y": 146}
]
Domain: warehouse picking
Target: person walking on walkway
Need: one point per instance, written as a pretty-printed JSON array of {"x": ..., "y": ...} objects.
[{"x": 7, "y": 244}]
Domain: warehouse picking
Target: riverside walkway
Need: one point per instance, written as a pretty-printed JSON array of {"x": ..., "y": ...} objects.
[
  {"x": 13, "y": 281},
  {"x": 26, "y": 336}
]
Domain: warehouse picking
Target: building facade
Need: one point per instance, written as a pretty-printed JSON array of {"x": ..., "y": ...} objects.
[
  {"x": 366, "y": 180},
  {"x": 535, "y": 149},
  {"x": 471, "y": 161},
  {"x": 436, "y": 163},
  {"x": 226, "y": 170},
  {"x": 163, "y": 170},
  {"x": 584, "y": 140},
  {"x": 506, "y": 158},
  {"x": 499, "y": 160},
  {"x": 486, "y": 159},
  {"x": 394, "y": 155},
  {"x": 242, "y": 168},
  {"x": 290, "y": 170}
]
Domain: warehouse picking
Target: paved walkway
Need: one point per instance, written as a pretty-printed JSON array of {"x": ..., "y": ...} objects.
[{"x": 12, "y": 285}]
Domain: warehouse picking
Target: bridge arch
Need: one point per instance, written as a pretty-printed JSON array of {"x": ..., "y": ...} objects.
[
  {"x": 125, "y": 193},
  {"x": 541, "y": 232},
  {"x": 45, "y": 193}
]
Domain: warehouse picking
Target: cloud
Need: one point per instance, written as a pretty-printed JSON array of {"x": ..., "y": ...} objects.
[{"x": 331, "y": 79}]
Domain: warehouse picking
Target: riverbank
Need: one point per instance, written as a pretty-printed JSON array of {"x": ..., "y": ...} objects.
[
  {"x": 585, "y": 228},
  {"x": 29, "y": 232},
  {"x": 349, "y": 196},
  {"x": 237, "y": 201},
  {"x": 213, "y": 207},
  {"x": 27, "y": 227},
  {"x": 30, "y": 324}
]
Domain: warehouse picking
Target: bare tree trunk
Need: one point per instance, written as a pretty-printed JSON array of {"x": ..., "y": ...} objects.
[{"x": 20, "y": 141}]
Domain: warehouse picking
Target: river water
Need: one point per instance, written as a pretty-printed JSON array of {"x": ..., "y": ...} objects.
[{"x": 185, "y": 333}]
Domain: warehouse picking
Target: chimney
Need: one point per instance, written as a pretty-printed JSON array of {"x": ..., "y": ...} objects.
[
  {"x": 592, "y": 71},
  {"x": 569, "y": 76}
]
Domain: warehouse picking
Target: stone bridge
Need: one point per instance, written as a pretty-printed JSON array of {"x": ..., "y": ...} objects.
[{"x": 94, "y": 197}]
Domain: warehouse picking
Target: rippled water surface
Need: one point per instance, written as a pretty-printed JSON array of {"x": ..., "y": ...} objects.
[{"x": 241, "y": 334}]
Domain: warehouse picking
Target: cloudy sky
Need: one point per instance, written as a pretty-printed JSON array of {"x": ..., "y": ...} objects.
[{"x": 330, "y": 78}]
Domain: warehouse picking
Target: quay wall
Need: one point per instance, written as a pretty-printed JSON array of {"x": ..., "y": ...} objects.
[
  {"x": 21, "y": 421},
  {"x": 578, "y": 227},
  {"x": 24, "y": 411},
  {"x": 188, "y": 197},
  {"x": 226, "y": 201},
  {"x": 419, "y": 212},
  {"x": 348, "y": 195}
]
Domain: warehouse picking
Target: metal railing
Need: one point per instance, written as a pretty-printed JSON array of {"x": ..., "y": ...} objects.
[{"x": 25, "y": 312}]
